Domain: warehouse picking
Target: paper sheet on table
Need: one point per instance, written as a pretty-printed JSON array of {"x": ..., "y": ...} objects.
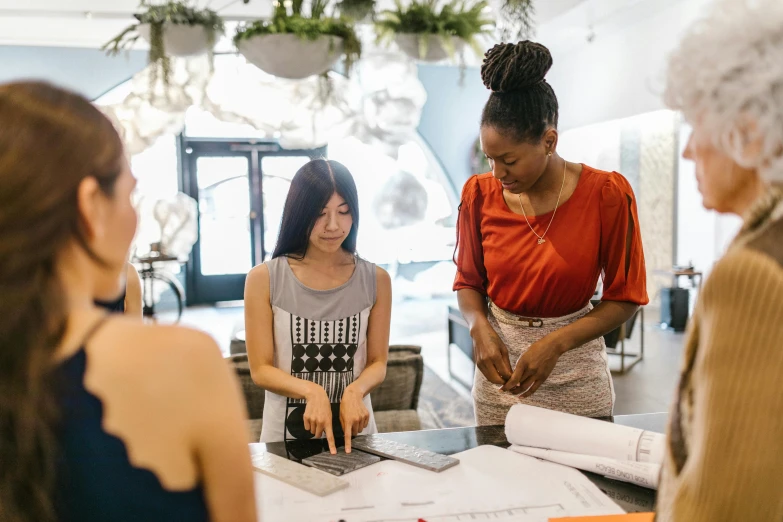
[
  {"x": 643, "y": 474},
  {"x": 490, "y": 482},
  {"x": 541, "y": 428},
  {"x": 631, "y": 517}
]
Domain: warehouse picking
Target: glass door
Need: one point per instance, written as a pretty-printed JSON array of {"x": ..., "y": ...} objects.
[
  {"x": 223, "y": 254},
  {"x": 241, "y": 188}
]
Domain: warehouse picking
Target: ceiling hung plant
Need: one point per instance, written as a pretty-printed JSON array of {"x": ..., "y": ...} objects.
[
  {"x": 296, "y": 45},
  {"x": 515, "y": 20},
  {"x": 174, "y": 28},
  {"x": 425, "y": 32},
  {"x": 358, "y": 10}
]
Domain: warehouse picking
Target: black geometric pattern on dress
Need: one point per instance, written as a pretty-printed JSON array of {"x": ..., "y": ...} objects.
[
  {"x": 321, "y": 352},
  {"x": 334, "y": 383}
]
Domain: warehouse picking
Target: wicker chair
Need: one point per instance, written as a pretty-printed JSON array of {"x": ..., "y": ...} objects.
[{"x": 394, "y": 402}]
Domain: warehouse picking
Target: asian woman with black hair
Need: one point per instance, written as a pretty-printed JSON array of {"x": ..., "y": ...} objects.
[{"x": 317, "y": 315}]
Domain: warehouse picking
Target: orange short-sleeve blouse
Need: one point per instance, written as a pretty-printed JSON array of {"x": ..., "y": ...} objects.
[{"x": 595, "y": 232}]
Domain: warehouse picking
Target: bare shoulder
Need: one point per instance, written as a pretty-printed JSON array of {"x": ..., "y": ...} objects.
[
  {"x": 383, "y": 287},
  {"x": 132, "y": 271},
  {"x": 176, "y": 374},
  {"x": 258, "y": 275},
  {"x": 174, "y": 353},
  {"x": 382, "y": 276},
  {"x": 258, "y": 282}
]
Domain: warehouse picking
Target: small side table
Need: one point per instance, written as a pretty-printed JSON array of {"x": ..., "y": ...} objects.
[{"x": 694, "y": 276}]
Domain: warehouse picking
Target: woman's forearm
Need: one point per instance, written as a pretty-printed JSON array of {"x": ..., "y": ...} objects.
[
  {"x": 601, "y": 320},
  {"x": 372, "y": 377},
  {"x": 473, "y": 307},
  {"x": 277, "y": 381}
]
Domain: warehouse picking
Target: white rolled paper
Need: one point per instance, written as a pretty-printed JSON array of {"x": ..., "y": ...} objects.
[
  {"x": 643, "y": 474},
  {"x": 547, "y": 429}
]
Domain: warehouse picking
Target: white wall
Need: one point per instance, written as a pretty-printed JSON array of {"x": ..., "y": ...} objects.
[
  {"x": 450, "y": 118},
  {"x": 621, "y": 73},
  {"x": 87, "y": 71}
]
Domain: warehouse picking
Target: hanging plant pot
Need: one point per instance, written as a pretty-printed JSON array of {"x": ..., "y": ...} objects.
[
  {"x": 289, "y": 56},
  {"x": 358, "y": 10},
  {"x": 181, "y": 40},
  {"x": 428, "y": 48}
]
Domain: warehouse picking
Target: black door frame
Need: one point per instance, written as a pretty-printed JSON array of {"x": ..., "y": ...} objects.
[{"x": 197, "y": 289}]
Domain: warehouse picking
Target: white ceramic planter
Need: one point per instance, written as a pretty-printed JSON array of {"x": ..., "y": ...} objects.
[
  {"x": 409, "y": 44},
  {"x": 180, "y": 40},
  {"x": 291, "y": 57}
]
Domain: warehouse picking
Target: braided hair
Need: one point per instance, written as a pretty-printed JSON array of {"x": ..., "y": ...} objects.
[{"x": 522, "y": 103}]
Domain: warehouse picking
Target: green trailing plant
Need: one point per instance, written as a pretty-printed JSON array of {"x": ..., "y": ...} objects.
[
  {"x": 517, "y": 19},
  {"x": 423, "y": 19},
  {"x": 308, "y": 27},
  {"x": 357, "y": 9},
  {"x": 157, "y": 16}
]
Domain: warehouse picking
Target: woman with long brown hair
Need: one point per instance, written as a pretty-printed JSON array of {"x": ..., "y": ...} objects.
[{"x": 101, "y": 418}]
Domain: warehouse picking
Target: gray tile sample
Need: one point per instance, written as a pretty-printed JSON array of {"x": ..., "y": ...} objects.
[
  {"x": 404, "y": 453},
  {"x": 342, "y": 462},
  {"x": 309, "y": 479}
]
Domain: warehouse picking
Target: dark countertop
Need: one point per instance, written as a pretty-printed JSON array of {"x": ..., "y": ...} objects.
[{"x": 454, "y": 440}]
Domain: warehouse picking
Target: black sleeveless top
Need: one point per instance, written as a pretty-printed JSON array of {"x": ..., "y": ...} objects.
[
  {"x": 95, "y": 479},
  {"x": 117, "y": 306}
]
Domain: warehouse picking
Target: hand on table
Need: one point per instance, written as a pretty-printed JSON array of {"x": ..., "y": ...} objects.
[
  {"x": 491, "y": 355},
  {"x": 533, "y": 368},
  {"x": 354, "y": 416},
  {"x": 318, "y": 416}
]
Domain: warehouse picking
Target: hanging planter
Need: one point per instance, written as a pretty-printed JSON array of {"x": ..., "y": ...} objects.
[
  {"x": 172, "y": 29},
  {"x": 358, "y": 10},
  {"x": 294, "y": 46},
  {"x": 429, "y": 47},
  {"x": 180, "y": 41},
  {"x": 289, "y": 56},
  {"x": 425, "y": 33}
]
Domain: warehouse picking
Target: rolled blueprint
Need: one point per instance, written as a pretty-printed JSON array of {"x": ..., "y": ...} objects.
[
  {"x": 643, "y": 474},
  {"x": 541, "y": 428}
]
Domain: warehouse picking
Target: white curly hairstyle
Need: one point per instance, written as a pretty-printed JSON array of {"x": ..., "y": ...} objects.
[{"x": 728, "y": 72}]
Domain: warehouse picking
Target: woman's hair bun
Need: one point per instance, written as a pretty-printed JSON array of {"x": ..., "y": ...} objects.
[{"x": 512, "y": 67}]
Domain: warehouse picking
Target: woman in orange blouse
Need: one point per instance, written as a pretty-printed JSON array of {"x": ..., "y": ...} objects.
[{"x": 533, "y": 237}]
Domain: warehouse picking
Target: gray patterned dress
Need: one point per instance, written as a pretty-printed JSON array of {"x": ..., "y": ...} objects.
[{"x": 320, "y": 336}]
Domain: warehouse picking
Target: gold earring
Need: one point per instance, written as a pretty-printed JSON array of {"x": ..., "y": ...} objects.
[{"x": 550, "y": 153}]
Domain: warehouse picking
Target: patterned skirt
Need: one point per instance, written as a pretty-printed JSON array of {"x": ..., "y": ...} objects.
[{"x": 580, "y": 383}]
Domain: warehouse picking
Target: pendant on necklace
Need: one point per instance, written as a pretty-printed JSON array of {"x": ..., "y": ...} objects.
[{"x": 541, "y": 240}]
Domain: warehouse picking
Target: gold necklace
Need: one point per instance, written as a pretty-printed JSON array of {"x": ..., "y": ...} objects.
[{"x": 541, "y": 239}]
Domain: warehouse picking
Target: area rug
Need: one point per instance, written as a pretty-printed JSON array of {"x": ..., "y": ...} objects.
[{"x": 440, "y": 406}]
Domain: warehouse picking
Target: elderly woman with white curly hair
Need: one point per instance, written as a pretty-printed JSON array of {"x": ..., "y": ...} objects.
[{"x": 724, "y": 456}]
